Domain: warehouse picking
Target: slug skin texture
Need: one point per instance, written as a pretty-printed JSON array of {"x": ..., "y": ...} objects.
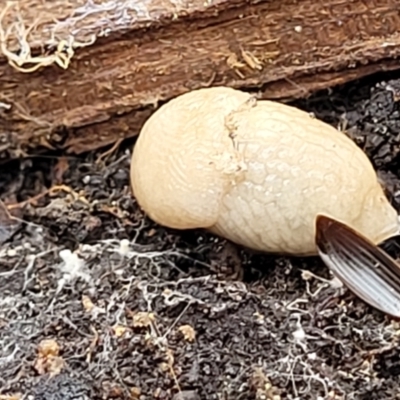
[{"x": 255, "y": 172}]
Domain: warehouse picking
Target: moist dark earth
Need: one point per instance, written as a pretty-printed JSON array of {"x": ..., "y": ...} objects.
[{"x": 98, "y": 302}]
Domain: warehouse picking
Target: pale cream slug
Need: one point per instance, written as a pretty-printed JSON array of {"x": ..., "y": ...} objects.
[{"x": 255, "y": 172}]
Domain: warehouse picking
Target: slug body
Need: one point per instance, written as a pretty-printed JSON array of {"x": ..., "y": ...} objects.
[{"x": 254, "y": 172}]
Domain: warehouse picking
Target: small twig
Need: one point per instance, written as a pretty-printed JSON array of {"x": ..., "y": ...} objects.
[
  {"x": 51, "y": 191},
  {"x": 104, "y": 156}
]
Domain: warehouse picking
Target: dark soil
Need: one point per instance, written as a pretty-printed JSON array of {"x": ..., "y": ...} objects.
[{"x": 183, "y": 315}]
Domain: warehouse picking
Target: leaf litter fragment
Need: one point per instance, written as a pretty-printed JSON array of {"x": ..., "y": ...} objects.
[
  {"x": 362, "y": 266},
  {"x": 143, "y": 319},
  {"x": 48, "y": 359},
  {"x": 188, "y": 332}
]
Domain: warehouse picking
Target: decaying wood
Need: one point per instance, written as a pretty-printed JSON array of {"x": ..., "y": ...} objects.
[{"x": 81, "y": 74}]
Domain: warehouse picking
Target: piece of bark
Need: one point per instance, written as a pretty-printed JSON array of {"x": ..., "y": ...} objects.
[{"x": 105, "y": 65}]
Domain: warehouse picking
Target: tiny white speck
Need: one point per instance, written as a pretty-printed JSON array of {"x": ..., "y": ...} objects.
[
  {"x": 124, "y": 247},
  {"x": 11, "y": 252}
]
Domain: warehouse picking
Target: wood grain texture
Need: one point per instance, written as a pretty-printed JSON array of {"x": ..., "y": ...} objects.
[{"x": 122, "y": 58}]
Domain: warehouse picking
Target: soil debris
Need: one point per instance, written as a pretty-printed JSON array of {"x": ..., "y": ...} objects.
[{"x": 137, "y": 311}]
